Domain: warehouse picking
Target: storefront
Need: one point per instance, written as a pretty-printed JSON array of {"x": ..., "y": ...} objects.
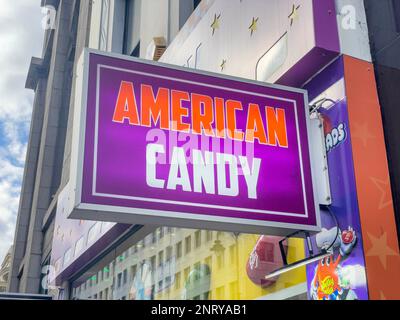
[{"x": 163, "y": 253}]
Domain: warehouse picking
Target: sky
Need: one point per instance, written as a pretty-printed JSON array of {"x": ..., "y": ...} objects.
[{"x": 21, "y": 37}]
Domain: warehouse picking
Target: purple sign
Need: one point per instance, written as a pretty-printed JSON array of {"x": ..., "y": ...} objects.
[{"x": 156, "y": 144}]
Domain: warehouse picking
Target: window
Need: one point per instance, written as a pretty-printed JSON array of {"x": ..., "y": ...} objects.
[
  {"x": 179, "y": 249},
  {"x": 169, "y": 253},
  {"x": 125, "y": 276},
  {"x": 133, "y": 272},
  {"x": 132, "y": 28},
  {"x": 186, "y": 272},
  {"x": 196, "y": 3},
  {"x": 177, "y": 280},
  {"x": 119, "y": 281},
  {"x": 161, "y": 232},
  {"x": 197, "y": 239},
  {"x": 209, "y": 235},
  {"x": 188, "y": 244},
  {"x": 153, "y": 263},
  {"x": 208, "y": 263},
  {"x": 160, "y": 258}
]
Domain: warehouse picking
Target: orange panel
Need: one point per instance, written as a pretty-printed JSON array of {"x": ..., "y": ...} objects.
[{"x": 372, "y": 179}]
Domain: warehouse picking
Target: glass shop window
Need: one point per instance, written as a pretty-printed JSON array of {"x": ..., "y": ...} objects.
[{"x": 223, "y": 265}]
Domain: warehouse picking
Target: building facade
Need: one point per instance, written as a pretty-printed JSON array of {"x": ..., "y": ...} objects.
[
  {"x": 5, "y": 271},
  {"x": 322, "y": 47}
]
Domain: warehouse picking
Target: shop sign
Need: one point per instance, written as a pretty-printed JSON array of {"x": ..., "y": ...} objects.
[{"x": 159, "y": 144}]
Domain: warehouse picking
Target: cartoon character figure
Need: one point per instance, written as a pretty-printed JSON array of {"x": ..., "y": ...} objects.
[{"x": 328, "y": 282}]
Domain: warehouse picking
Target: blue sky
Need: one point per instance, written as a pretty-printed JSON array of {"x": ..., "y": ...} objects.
[{"x": 21, "y": 37}]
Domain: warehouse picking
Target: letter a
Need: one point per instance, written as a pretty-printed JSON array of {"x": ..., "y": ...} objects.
[{"x": 126, "y": 107}]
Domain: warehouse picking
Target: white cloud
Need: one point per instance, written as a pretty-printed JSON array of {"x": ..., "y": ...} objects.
[{"x": 21, "y": 37}]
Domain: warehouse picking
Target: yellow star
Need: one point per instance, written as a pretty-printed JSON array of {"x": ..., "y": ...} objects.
[
  {"x": 361, "y": 131},
  {"x": 215, "y": 23},
  {"x": 383, "y": 187},
  {"x": 222, "y": 65},
  {"x": 380, "y": 249},
  {"x": 294, "y": 14},
  {"x": 253, "y": 26}
]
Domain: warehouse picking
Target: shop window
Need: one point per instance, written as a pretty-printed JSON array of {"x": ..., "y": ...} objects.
[{"x": 190, "y": 276}]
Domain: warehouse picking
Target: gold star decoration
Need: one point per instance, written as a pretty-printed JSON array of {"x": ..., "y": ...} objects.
[
  {"x": 362, "y": 132},
  {"x": 380, "y": 249},
  {"x": 253, "y": 26},
  {"x": 383, "y": 187},
  {"x": 215, "y": 23},
  {"x": 223, "y": 64},
  {"x": 294, "y": 14}
]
